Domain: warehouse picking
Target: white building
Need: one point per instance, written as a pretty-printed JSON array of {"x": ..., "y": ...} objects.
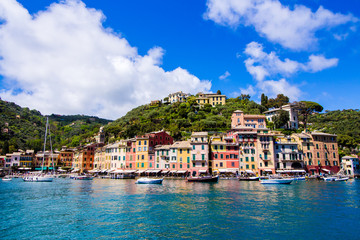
[
  {"x": 293, "y": 116},
  {"x": 350, "y": 165},
  {"x": 288, "y": 158},
  {"x": 178, "y": 97}
]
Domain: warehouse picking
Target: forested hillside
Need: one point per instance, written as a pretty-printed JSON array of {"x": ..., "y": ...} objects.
[
  {"x": 181, "y": 118},
  {"x": 22, "y": 128},
  {"x": 345, "y": 123}
]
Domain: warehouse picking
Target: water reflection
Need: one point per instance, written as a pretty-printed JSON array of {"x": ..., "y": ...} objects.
[{"x": 105, "y": 208}]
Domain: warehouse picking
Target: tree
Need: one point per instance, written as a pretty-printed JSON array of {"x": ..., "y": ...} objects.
[
  {"x": 306, "y": 108},
  {"x": 244, "y": 97},
  {"x": 264, "y": 100},
  {"x": 281, "y": 119},
  {"x": 218, "y": 92},
  {"x": 277, "y": 102}
]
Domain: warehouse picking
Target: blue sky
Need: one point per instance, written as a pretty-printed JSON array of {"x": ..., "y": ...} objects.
[{"x": 105, "y": 57}]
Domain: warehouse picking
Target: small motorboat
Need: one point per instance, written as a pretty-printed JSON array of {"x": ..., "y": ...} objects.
[
  {"x": 340, "y": 179},
  {"x": 83, "y": 177},
  {"x": 38, "y": 178},
  {"x": 203, "y": 179},
  {"x": 7, "y": 179},
  {"x": 254, "y": 178},
  {"x": 276, "y": 181},
  {"x": 145, "y": 180},
  {"x": 329, "y": 178}
]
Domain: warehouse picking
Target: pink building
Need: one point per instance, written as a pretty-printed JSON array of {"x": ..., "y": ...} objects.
[
  {"x": 238, "y": 118},
  {"x": 199, "y": 153}
]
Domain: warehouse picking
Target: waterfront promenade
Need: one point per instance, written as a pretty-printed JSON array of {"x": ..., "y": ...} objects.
[{"x": 106, "y": 208}]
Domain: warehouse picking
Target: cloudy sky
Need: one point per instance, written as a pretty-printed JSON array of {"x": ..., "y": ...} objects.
[{"x": 104, "y": 58}]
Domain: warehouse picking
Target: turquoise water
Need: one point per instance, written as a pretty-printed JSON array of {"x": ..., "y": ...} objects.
[{"x": 104, "y": 209}]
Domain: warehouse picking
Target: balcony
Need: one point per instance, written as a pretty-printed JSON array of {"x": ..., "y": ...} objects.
[
  {"x": 265, "y": 160},
  {"x": 199, "y": 160},
  {"x": 290, "y": 160}
]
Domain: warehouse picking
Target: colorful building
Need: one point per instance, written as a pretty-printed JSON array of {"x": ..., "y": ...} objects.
[
  {"x": 211, "y": 98},
  {"x": 238, "y": 118},
  {"x": 200, "y": 154},
  {"x": 350, "y": 165},
  {"x": 178, "y": 97},
  {"x": 325, "y": 154}
]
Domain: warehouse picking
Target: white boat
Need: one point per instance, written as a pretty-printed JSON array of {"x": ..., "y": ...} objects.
[
  {"x": 329, "y": 179},
  {"x": 41, "y": 177},
  {"x": 38, "y": 178},
  {"x": 7, "y": 179},
  {"x": 83, "y": 177},
  {"x": 146, "y": 180},
  {"x": 339, "y": 179},
  {"x": 276, "y": 181}
]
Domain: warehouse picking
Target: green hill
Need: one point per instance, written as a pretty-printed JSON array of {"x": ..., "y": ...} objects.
[
  {"x": 180, "y": 118},
  {"x": 22, "y": 128}
]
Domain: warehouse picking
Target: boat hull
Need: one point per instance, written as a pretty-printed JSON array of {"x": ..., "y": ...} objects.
[
  {"x": 203, "y": 179},
  {"x": 248, "y": 178},
  {"x": 149, "y": 181},
  {"x": 276, "y": 181},
  {"x": 86, "y": 178},
  {"x": 38, "y": 179}
]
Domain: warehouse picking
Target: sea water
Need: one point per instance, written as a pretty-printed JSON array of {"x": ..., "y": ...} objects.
[{"x": 229, "y": 209}]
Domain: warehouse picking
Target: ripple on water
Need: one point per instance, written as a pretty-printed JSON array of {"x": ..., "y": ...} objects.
[{"x": 103, "y": 209}]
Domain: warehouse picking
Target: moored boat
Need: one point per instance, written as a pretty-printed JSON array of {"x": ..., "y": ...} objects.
[
  {"x": 38, "y": 178},
  {"x": 83, "y": 177},
  {"x": 276, "y": 181},
  {"x": 146, "y": 180},
  {"x": 203, "y": 179},
  {"x": 340, "y": 179},
  {"x": 7, "y": 179},
  {"x": 255, "y": 178}
]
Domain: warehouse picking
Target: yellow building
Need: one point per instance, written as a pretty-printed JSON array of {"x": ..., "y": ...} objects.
[
  {"x": 142, "y": 153},
  {"x": 218, "y": 150},
  {"x": 183, "y": 156},
  {"x": 211, "y": 98}
]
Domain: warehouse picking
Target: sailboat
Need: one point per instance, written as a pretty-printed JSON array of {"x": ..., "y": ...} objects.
[{"x": 42, "y": 177}]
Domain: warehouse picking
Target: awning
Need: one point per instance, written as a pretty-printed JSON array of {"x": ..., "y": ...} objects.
[
  {"x": 61, "y": 170},
  {"x": 181, "y": 171},
  {"x": 173, "y": 171},
  {"x": 326, "y": 170},
  {"x": 279, "y": 171},
  {"x": 141, "y": 171},
  {"x": 299, "y": 171},
  {"x": 267, "y": 170},
  {"x": 202, "y": 171},
  {"x": 222, "y": 170},
  {"x": 110, "y": 171},
  {"x": 130, "y": 171},
  {"x": 156, "y": 171},
  {"x": 75, "y": 170},
  {"x": 165, "y": 171},
  {"x": 118, "y": 171},
  {"x": 104, "y": 170},
  {"x": 249, "y": 171}
]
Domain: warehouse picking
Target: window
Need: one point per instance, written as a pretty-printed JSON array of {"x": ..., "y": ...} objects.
[
  {"x": 253, "y": 166},
  {"x": 252, "y": 159},
  {"x": 221, "y": 164},
  {"x": 188, "y": 159},
  {"x": 203, "y": 156},
  {"x": 202, "y": 147},
  {"x": 142, "y": 165},
  {"x": 246, "y": 159},
  {"x": 318, "y": 155},
  {"x": 233, "y": 164},
  {"x": 221, "y": 156},
  {"x": 194, "y": 157},
  {"x": 215, "y": 156},
  {"x": 193, "y": 147}
]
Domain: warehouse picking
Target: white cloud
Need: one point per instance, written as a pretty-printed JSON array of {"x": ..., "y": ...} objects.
[
  {"x": 63, "y": 61},
  {"x": 261, "y": 64},
  {"x": 318, "y": 63},
  {"x": 272, "y": 88},
  {"x": 225, "y": 76},
  {"x": 249, "y": 90},
  {"x": 292, "y": 28}
]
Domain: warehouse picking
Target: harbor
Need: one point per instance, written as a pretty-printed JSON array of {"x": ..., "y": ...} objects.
[{"x": 228, "y": 209}]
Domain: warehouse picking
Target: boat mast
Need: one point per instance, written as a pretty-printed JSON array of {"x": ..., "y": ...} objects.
[
  {"x": 46, "y": 129},
  {"x": 51, "y": 153}
]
